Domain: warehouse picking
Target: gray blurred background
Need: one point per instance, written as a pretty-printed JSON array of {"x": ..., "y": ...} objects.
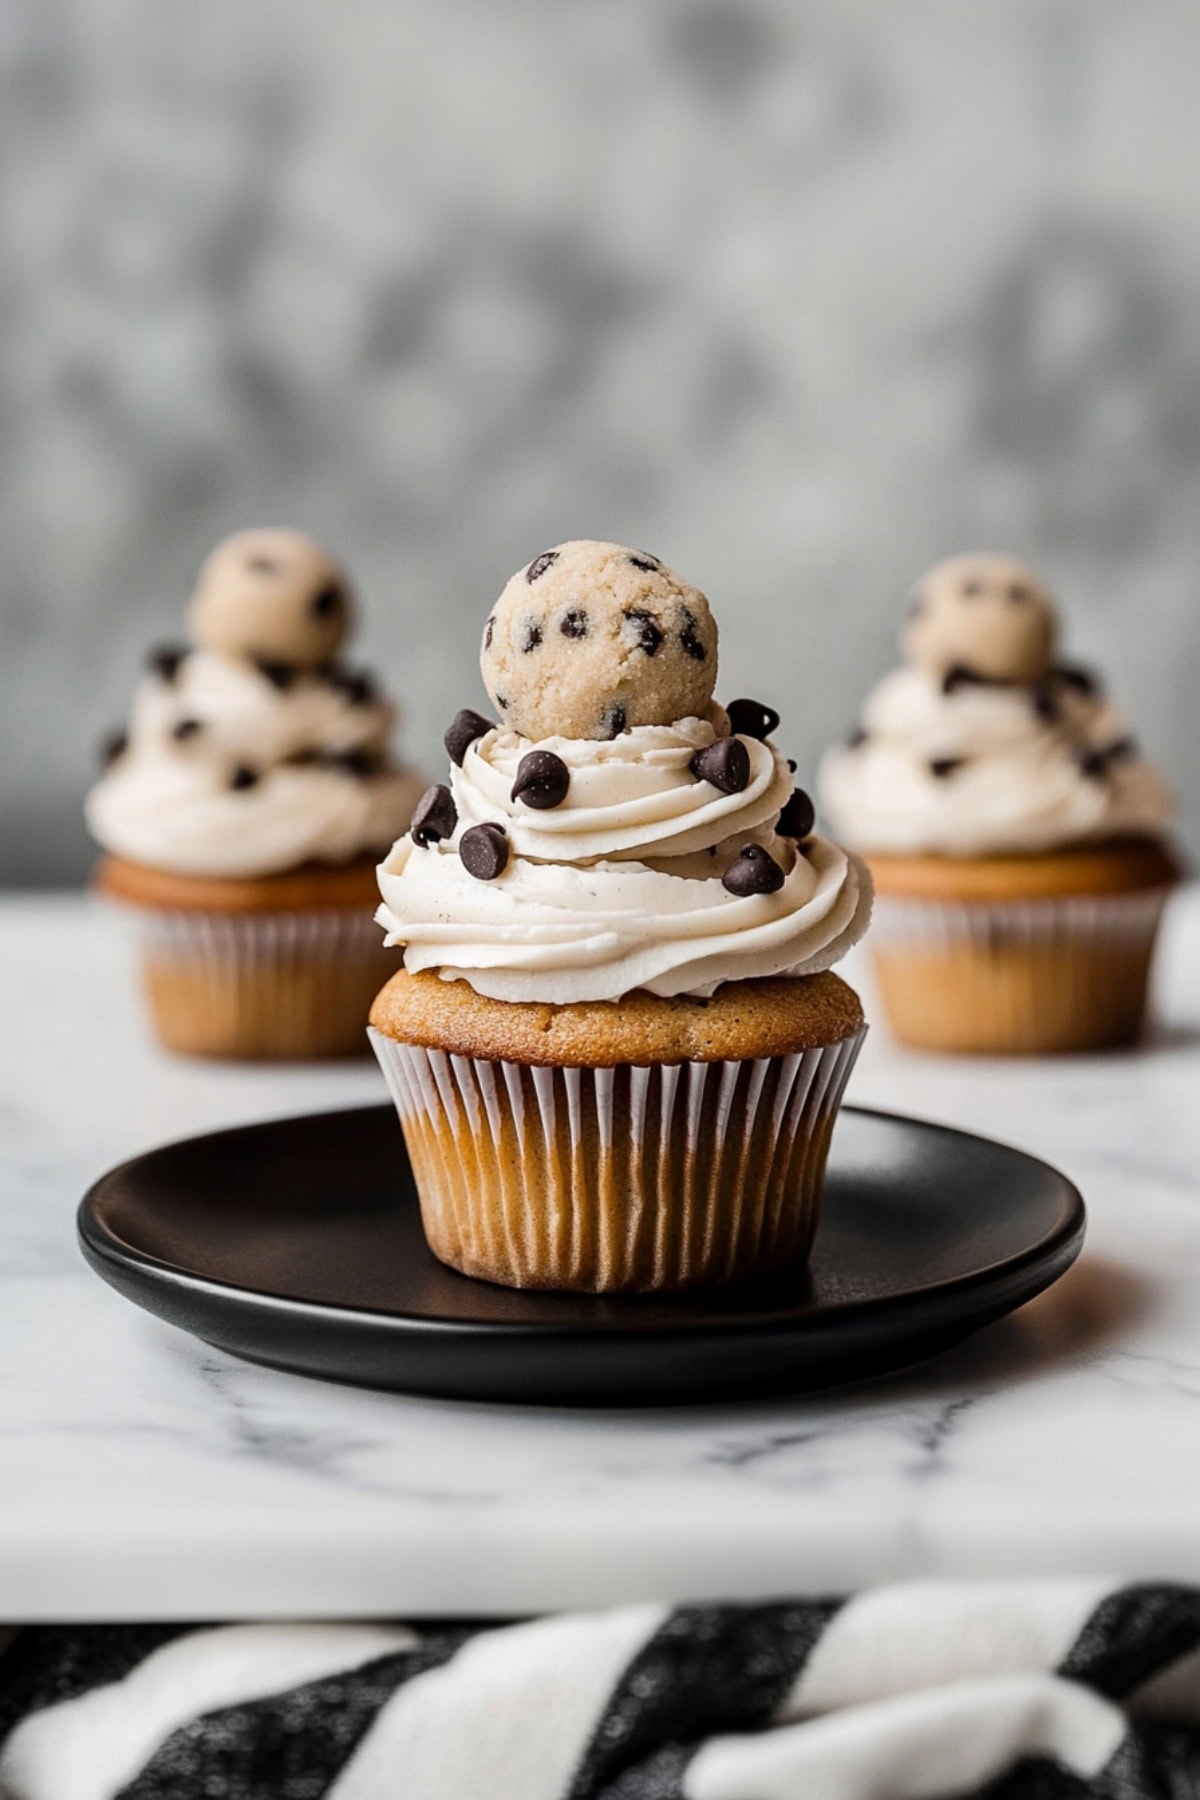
[{"x": 798, "y": 294}]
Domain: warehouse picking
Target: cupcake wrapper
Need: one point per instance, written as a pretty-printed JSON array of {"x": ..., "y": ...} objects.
[
  {"x": 619, "y": 1179},
  {"x": 1067, "y": 973},
  {"x": 261, "y": 985}
]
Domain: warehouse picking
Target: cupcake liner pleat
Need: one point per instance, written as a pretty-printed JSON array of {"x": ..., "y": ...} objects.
[
  {"x": 618, "y": 1179},
  {"x": 1026, "y": 976},
  {"x": 261, "y": 985}
]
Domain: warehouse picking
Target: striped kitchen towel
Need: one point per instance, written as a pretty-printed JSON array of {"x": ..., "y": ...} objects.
[{"x": 1016, "y": 1691}]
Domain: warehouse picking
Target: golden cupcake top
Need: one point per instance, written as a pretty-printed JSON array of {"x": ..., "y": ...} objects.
[
  {"x": 643, "y": 837},
  {"x": 985, "y": 741},
  {"x": 254, "y": 748}
]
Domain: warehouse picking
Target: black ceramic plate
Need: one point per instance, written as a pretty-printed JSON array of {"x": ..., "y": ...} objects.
[{"x": 298, "y": 1243}]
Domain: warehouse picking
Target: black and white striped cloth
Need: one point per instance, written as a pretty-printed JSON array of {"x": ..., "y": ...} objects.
[{"x": 1017, "y": 1691}]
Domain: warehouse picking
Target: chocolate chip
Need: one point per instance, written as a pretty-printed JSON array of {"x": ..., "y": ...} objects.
[
  {"x": 754, "y": 872},
  {"x": 166, "y": 660},
  {"x": 798, "y": 816},
  {"x": 358, "y": 762},
  {"x": 358, "y": 687},
  {"x": 1094, "y": 764},
  {"x": 614, "y": 722},
  {"x": 434, "y": 816},
  {"x": 540, "y": 564},
  {"x": 533, "y": 636},
  {"x": 724, "y": 765},
  {"x": 941, "y": 766},
  {"x": 262, "y": 565},
  {"x": 186, "y": 728},
  {"x": 1080, "y": 680},
  {"x": 857, "y": 738},
  {"x": 489, "y": 631},
  {"x": 650, "y": 632},
  {"x": 112, "y": 748},
  {"x": 649, "y": 565},
  {"x": 502, "y": 702},
  {"x": 574, "y": 624},
  {"x": 462, "y": 732},
  {"x": 1045, "y": 706},
  {"x": 484, "y": 851},
  {"x": 327, "y": 603},
  {"x": 280, "y": 674},
  {"x": 542, "y": 780},
  {"x": 791, "y": 763},
  {"x": 752, "y": 718},
  {"x": 687, "y": 637},
  {"x": 243, "y": 777}
]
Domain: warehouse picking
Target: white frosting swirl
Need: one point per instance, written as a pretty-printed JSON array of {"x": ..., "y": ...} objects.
[
  {"x": 1021, "y": 781},
  {"x": 170, "y": 802},
  {"x": 620, "y": 886}
]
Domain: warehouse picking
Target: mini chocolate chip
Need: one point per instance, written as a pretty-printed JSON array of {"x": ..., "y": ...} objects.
[
  {"x": 687, "y": 637},
  {"x": 542, "y": 780},
  {"x": 502, "y": 702},
  {"x": 574, "y": 624},
  {"x": 724, "y": 765},
  {"x": 356, "y": 684},
  {"x": 1094, "y": 764},
  {"x": 540, "y": 564},
  {"x": 112, "y": 747},
  {"x": 166, "y": 660},
  {"x": 462, "y": 732},
  {"x": 533, "y": 636},
  {"x": 941, "y": 766},
  {"x": 1045, "y": 705},
  {"x": 791, "y": 763},
  {"x": 614, "y": 722},
  {"x": 262, "y": 565},
  {"x": 752, "y": 718},
  {"x": 280, "y": 674},
  {"x": 434, "y": 816},
  {"x": 798, "y": 816},
  {"x": 243, "y": 777},
  {"x": 489, "y": 632},
  {"x": 857, "y": 738},
  {"x": 649, "y": 565},
  {"x": 754, "y": 872},
  {"x": 327, "y": 603},
  {"x": 484, "y": 851},
  {"x": 186, "y": 728},
  {"x": 1081, "y": 680},
  {"x": 650, "y": 632}
]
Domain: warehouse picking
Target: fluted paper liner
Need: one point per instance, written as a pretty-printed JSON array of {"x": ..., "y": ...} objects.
[
  {"x": 617, "y": 1180},
  {"x": 261, "y": 985},
  {"x": 1027, "y": 976}
]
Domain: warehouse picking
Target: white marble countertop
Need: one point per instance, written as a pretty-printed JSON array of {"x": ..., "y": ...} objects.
[{"x": 144, "y": 1475}]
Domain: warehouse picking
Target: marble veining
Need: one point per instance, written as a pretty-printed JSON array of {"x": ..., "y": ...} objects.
[{"x": 143, "y": 1474}]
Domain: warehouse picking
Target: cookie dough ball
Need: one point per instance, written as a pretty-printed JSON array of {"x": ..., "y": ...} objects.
[
  {"x": 987, "y": 615},
  {"x": 271, "y": 594},
  {"x": 593, "y": 638}
]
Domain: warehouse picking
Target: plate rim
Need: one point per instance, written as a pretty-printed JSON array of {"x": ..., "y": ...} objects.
[{"x": 103, "y": 1250}]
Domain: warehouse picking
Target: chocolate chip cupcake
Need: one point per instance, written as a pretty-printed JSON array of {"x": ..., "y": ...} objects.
[
  {"x": 245, "y": 807},
  {"x": 616, "y": 1046},
  {"x": 1014, "y": 830}
]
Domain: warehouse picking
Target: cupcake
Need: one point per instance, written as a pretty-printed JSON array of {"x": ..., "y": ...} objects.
[
  {"x": 1015, "y": 833},
  {"x": 616, "y": 1046},
  {"x": 244, "y": 809}
]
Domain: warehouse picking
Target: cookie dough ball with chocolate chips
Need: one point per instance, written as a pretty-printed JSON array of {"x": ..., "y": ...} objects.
[
  {"x": 982, "y": 616},
  {"x": 592, "y": 638},
  {"x": 273, "y": 595}
]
